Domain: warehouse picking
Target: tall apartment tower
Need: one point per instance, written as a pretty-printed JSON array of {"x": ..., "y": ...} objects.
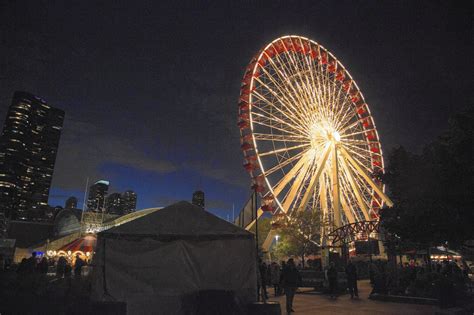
[
  {"x": 114, "y": 204},
  {"x": 129, "y": 201},
  {"x": 28, "y": 147},
  {"x": 97, "y": 195}
]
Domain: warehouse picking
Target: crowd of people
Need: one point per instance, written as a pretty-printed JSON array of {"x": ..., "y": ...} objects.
[
  {"x": 445, "y": 281},
  {"x": 41, "y": 266},
  {"x": 284, "y": 278}
]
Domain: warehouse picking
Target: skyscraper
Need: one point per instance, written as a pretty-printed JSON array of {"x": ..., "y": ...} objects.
[
  {"x": 129, "y": 201},
  {"x": 71, "y": 203},
  {"x": 198, "y": 198},
  {"x": 97, "y": 194},
  {"x": 28, "y": 147},
  {"x": 114, "y": 204}
]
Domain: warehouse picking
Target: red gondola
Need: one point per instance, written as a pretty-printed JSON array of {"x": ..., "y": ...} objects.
[
  {"x": 340, "y": 75},
  {"x": 246, "y": 138},
  {"x": 250, "y": 167},
  {"x": 324, "y": 58},
  {"x": 371, "y": 135},
  {"x": 246, "y": 146},
  {"x": 244, "y": 116},
  {"x": 375, "y": 149},
  {"x": 314, "y": 52},
  {"x": 332, "y": 66},
  {"x": 268, "y": 208},
  {"x": 306, "y": 48},
  {"x": 268, "y": 199},
  {"x": 362, "y": 109},
  {"x": 243, "y": 107},
  {"x": 347, "y": 85},
  {"x": 355, "y": 96},
  {"x": 367, "y": 122},
  {"x": 279, "y": 48},
  {"x": 243, "y": 124}
]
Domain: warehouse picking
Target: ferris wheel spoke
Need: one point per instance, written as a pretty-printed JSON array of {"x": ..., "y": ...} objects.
[
  {"x": 284, "y": 92},
  {"x": 302, "y": 90},
  {"x": 285, "y": 131},
  {"x": 298, "y": 68},
  {"x": 346, "y": 114},
  {"x": 369, "y": 180},
  {"x": 362, "y": 159},
  {"x": 282, "y": 100},
  {"x": 285, "y": 112},
  {"x": 275, "y": 137},
  {"x": 284, "y": 149},
  {"x": 289, "y": 176},
  {"x": 281, "y": 165},
  {"x": 296, "y": 187},
  {"x": 267, "y": 115},
  {"x": 348, "y": 135},
  {"x": 315, "y": 178},
  {"x": 355, "y": 188},
  {"x": 323, "y": 194},
  {"x": 275, "y": 120},
  {"x": 352, "y": 125},
  {"x": 362, "y": 142},
  {"x": 284, "y": 77},
  {"x": 347, "y": 210}
]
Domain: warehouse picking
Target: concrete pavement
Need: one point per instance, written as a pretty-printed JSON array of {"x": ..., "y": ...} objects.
[{"x": 311, "y": 303}]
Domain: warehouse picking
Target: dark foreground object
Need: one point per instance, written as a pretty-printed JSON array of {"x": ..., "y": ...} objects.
[
  {"x": 260, "y": 308},
  {"x": 403, "y": 299}
]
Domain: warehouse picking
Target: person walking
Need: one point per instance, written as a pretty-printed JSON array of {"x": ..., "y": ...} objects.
[
  {"x": 60, "y": 267},
  {"x": 78, "y": 266},
  {"x": 42, "y": 266},
  {"x": 275, "y": 277},
  {"x": 332, "y": 280},
  {"x": 264, "y": 275},
  {"x": 351, "y": 273},
  {"x": 291, "y": 280}
]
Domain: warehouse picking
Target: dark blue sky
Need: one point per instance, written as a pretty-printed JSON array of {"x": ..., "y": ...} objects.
[{"x": 150, "y": 90}]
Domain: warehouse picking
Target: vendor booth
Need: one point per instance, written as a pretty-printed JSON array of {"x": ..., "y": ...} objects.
[{"x": 174, "y": 261}]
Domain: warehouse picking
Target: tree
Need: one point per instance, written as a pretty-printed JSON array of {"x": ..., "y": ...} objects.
[
  {"x": 432, "y": 191},
  {"x": 299, "y": 235}
]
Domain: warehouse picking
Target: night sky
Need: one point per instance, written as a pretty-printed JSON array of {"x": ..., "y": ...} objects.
[{"x": 150, "y": 90}]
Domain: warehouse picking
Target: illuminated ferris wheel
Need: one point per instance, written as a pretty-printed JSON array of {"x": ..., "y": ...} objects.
[{"x": 307, "y": 134}]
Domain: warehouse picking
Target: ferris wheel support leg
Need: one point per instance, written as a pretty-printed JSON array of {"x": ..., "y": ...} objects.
[
  {"x": 315, "y": 178},
  {"x": 369, "y": 180},
  {"x": 269, "y": 240},
  {"x": 356, "y": 190},
  {"x": 251, "y": 224},
  {"x": 335, "y": 188}
]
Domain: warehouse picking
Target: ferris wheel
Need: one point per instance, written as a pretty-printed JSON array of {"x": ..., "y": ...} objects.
[{"x": 307, "y": 134}]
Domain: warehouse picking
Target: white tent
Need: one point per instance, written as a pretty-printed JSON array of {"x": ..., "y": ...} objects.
[{"x": 159, "y": 261}]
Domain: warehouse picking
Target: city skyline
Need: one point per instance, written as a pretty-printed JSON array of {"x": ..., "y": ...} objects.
[{"x": 151, "y": 104}]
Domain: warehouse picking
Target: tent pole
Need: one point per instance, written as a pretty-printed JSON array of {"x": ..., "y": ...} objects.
[{"x": 256, "y": 239}]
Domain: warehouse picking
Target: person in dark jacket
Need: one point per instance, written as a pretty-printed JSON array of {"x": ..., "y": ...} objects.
[
  {"x": 291, "y": 280},
  {"x": 332, "y": 280},
  {"x": 78, "y": 266},
  {"x": 60, "y": 267},
  {"x": 264, "y": 276},
  {"x": 351, "y": 274}
]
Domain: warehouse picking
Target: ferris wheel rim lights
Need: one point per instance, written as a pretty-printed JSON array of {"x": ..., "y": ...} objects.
[{"x": 311, "y": 51}]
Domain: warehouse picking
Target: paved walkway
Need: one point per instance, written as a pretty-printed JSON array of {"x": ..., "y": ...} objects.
[{"x": 307, "y": 302}]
